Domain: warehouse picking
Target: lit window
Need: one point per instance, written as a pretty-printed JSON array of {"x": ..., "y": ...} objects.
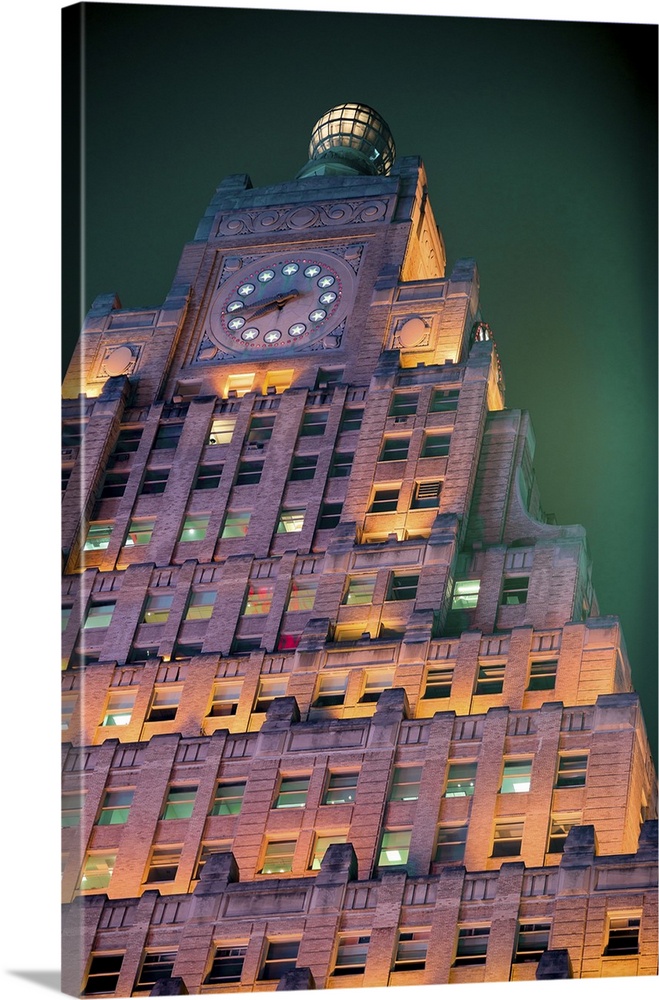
[
  {"x": 438, "y": 682},
  {"x": 103, "y": 975},
  {"x": 236, "y": 524},
  {"x": 394, "y": 449},
  {"x": 258, "y": 598},
  {"x": 280, "y": 958},
  {"x": 140, "y": 530},
  {"x": 341, "y": 788},
  {"x": 97, "y": 871},
  {"x": 228, "y": 798},
  {"x": 516, "y": 775},
  {"x": 426, "y": 495},
  {"x": 403, "y": 404},
  {"x": 412, "y": 950},
  {"x": 200, "y": 605},
  {"x": 451, "y": 842},
  {"x": 278, "y": 857},
  {"x": 359, "y": 590},
  {"x": 472, "y": 946},
  {"x": 465, "y": 594},
  {"x": 116, "y": 806},
  {"x": 532, "y": 940},
  {"x": 331, "y": 690},
  {"x": 351, "y": 954},
  {"x": 249, "y": 473},
  {"x": 239, "y": 383},
  {"x": 155, "y": 965},
  {"x": 128, "y": 440},
  {"x": 98, "y": 536},
  {"x": 403, "y": 586},
  {"x": 444, "y": 400},
  {"x": 542, "y": 675},
  {"x": 303, "y": 467},
  {"x": 394, "y": 847},
  {"x": 99, "y": 615},
  {"x": 302, "y": 594},
  {"x": 208, "y": 477},
  {"x": 291, "y": 520},
  {"x": 226, "y": 695},
  {"x": 461, "y": 779},
  {"x": 119, "y": 709},
  {"x": 314, "y": 423},
  {"x": 269, "y": 689},
  {"x": 292, "y": 793},
  {"x": 376, "y": 682},
  {"x": 179, "y": 802},
  {"x": 384, "y": 500},
  {"x": 155, "y": 481},
  {"x": 490, "y": 678},
  {"x": 164, "y": 704},
  {"x": 351, "y": 419},
  {"x": 571, "y": 770},
  {"x": 260, "y": 430},
  {"x": 341, "y": 464},
  {"x": 330, "y": 515},
  {"x": 114, "y": 485},
  {"x": 163, "y": 865},
  {"x": 559, "y": 829},
  {"x": 221, "y": 430},
  {"x": 279, "y": 381},
  {"x": 320, "y": 847},
  {"x": 507, "y": 838},
  {"x": 623, "y": 935},
  {"x": 227, "y": 964},
  {"x": 157, "y": 608},
  {"x": 194, "y": 528},
  {"x": 515, "y": 590},
  {"x": 167, "y": 436},
  {"x": 405, "y": 784},
  {"x": 71, "y": 808},
  {"x": 435, "y": 445},
  {"x": 288, "y": 641},
  {"x": 207, "y": 851}
]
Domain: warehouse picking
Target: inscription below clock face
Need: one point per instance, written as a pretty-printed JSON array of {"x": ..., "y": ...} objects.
[{"x": 281, "y": 301}]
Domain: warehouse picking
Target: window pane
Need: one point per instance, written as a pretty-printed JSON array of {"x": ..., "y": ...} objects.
[
  {"x": 164, "y": 864},
  {"x": 180, "y": 802},
  {"x": 226, "y": 695},
  {"x": 351, "y": 419},
  {"x": 208, "y": 477},
  {"x": 331, "y": 690},
  {"x": 228, "y": 799},
  {"x": 99, "y": 615},
  {"x": 157, "y": 608},
  {"x": 194, "y": 528},
  {"x": 330, "y": 515},
  {"x": 435, "y": 445},
  {"x": 465, "y": 594},
  {"x": 155, "y": 481},
  {"x": 341, "y": 464},
  {"x": 394, "y": 848},
  {"x": 490, "y": 679},
  {"x": 507, "y": 839},
  {"x": 278, "y": 857},
  {"x": 116, "y": 807},
  {"x": 571, "y": 770},
  {"x": 97, "y": 871},
  {"x": 532, "y": 940},
  {"x": 249, "y": 473},
  {"x": 314, "y": 423},
  {"x": 351, "y": 954},
  {"x": 303, "y": 594},
  {"x": 221, "y": 430},
  {"x": 451, "y": 842},
  {"x": 461, "y": 779},
  {"x": 516, "y": 775},
  {"x": 292, "y": 793},
  {"x": 360, "y": 590},
  {"x": 341, "y": 787},
  {"x": 303, "y": 467},
  {"x": 156, "y": 965},
  {"x": 438, "y": 682},
  {"x": 227, "y": 964},
  {"x": 403, "y": 404},
  {"x": 200, "y": 605},
  {"x": 394, "y": 449},
  {"x": 515, "y": 590},
  {"x": 236, "y": 524},
  {"x": 320, "y": 848},
  {"x": 542, "y": 675},
  {"x": 405, "y": 785},
  {"x": 444, "y": 400},
  {"x": 140, "y": 531},
  {"x": 258, "y": 599},
  {"x": 98, "y": 536},
  {"x": 384, "y": 500},
  {"x": 403, "y": 587},
  {"x": 472, "y": 946},
  {"x": 412, "y": 950},
  {"x": 291, "y": 520}
]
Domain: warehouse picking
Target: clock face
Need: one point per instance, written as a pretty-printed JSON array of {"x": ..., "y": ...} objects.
[{"x": 281, "y": 302}]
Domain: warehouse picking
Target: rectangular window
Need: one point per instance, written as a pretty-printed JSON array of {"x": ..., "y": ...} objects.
[
  {"x": 515, "y": 590},
  {"x": 221, "y": 430},
  {"x": 260, "y": 430},
  {"x": 157, "y": 608},
  {"x": 200, "y": 605},
  {"x": 280, "y": 958},
  {"x": 72, "y": 803},
  {"x": 227, "y": 964},
  {"x": 97, "y": 871},
  {"x": 269, "y": 689},
  {"x": 194, "y": 528},
  {"x": 103, "y": 974},
  {"x": 140, "y": 531},
  {"x": 623, "y": 935},
  {"x": 155, "y": 965},
  {"x": 384, "y": 500},
  {"x": 394, "y": 449},
  {"x": 292, "y": 793},
  {"x": 291, "y": 520},
  {"x": 435, "y": 445},
  {"x": 207, "y": 851},
  {"x": 278, "y": 381},
  {"x": 116, "y": 807},
  {"x": 226, "y": 695},
  {"x": 236, "y": 524},
  {"x": 69, "y": 703},
  {"x": 472, "y": 946},
  {"x": 302, "y": 594},
  {"x": 278, "y": 857},
  {"x": 330, "y": 515},
  {"x": 303, "y": 467},
  {"x": 444, "y": 400},
  {"x": 179, "y": 802},
  {"x": 490, "y": 679},
  {"x": 314, "y": 423},
  {"x": 119, "y": 709},
  {"x": 341, "y": 466},
  {"x": 243, "y": 645},
  {"x": 239, "y": 384},
  {"x": 167, "y": 436},
  {"x": 465, "y": 594},
  {"x": 351, "y": 419},
  {"x": 376, "y": 682},
  {"x": 412, "y": 950},
  {"x": 426, "y": 495},
  {"x": 359, "y": 590},
  {"x": 542, "y": 675},
  {"x": 327, "y": 377},
  {"x": 258, "y": 598},
  {"x": 403, "y": 404},
  {"x": 249, "y": 473},
  {"x": 208, "y": 477},
  {"x": 571, "y": 770},
  {"x": 451, "y": 842},
  {"x": 402, "y": 586},
  {"x": 228, "y": 799},
  {"x": 155, "y": 481},
  {"x": 164, "y": 704},
  {"x": 559, "y": 828},
  {"x": 331, "y": 690},
  {"x": 461, "y": 779},
  {"x": 98, "y": 536},
  {"x": 288, "y": 641},
  {"x": 320, "y": 847},
  {"x": 516, "y": 775},
  {"x": 114, "y": 485},
  {"x": 128, "y": 440},
  {"x": 351, "y": 954},
  {"x": 507, "y": 838},
  {"x": 394, "y": 848},
  {"x": 438, "y": 682},
  {"x": 406, "y": 783},
  {"x": 99, "y": 615},
  {"x": 341, "y": 788},
  {"x": 163, "y": 865},
  {"x": 532, "y": 940}
]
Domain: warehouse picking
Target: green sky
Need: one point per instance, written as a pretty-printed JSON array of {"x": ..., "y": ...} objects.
[{"x": 539, "y": 140}]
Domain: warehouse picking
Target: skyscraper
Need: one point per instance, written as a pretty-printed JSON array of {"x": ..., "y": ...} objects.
[{"x": 339, "y": 707}]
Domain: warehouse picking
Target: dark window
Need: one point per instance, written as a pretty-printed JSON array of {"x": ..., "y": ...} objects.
[
  {"x": 507, "y": 839},
  {"x": 155, "y": 481},
  {"x": 227, "y": 964},
  {"x": 331, "y": 690},
  {"x": 444, "y": 400},
  {"x": 66, "y": 475},
  {"x": 314, "y": 423},
  {"x": 403, "y": 586},
  {"x": 328, "y": 376},
  {"x": 412, "y": 951},
  {"x": 558, "y": 831},
  {"x": 260, "y": 429},
  {"x": 351, "y": 954},
  {"x": 249, "y": 473},
  {"x": 403, "y": 404},
  {"x": 72, "y": 435},
  {"x": 472, "y": 946},
  {"x": 623, "y": 936},
  {"x": 341, "y": 464},
  {"x": 351, "y": 419},
  {"x": 164, "y": 704},
  {"x": 542, "y": 676},
  {"x": 330, "y": 515},
  {"x": 515, "y": 590},
  {"x": 103, "y": 974},
  {"x": 394, "y": 449},
  {"x": 156, "y": 965},
  {"x": 490, "y": 679},
  {"x": 384, "y": 500},
  {"x": 405, "y": 784},
  {"x": 281, "y": 957},
  {"x": 435, "y": 445},
  {"x": 426, "y": 494},
  {"x": 128, "y": 440},
  {"x": 114, "y": 485},
  {"x": 164, "y": 864},
  {"x": 438, "y": 682},
  {"x": 168, "y": 436},
  {"x": 571, "y": 770},
  {"x": 303, "y": 467},
  {"x": 451, "y": 842},
  {"x": 208, "y": 477},
  {"x": 532, "y": 940},
  {"x": 184, "y": 650},
  {"x": 247, "y": 644}
]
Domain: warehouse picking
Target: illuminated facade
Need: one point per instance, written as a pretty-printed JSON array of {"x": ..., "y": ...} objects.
[{"x": 339, "y": 708}]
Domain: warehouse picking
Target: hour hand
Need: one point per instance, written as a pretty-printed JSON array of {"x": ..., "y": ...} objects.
[{"x": 278, "y": 302}]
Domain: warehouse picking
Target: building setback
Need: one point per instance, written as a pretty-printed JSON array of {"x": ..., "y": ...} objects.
[{"x": 339, "y": 708}]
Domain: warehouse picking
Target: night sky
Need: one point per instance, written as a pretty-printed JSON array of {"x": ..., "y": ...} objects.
[{"x": 539, "y": 140}]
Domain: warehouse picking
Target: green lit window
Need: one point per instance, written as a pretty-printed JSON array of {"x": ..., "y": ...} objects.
[
  {"x": 394, "y": 848},
  {"x": 278, "y": 857},
  {"x": 97, "y": 871},
  {"x": 515, "y": 590},
  {"x": 507, "y": 838},
  {"x": 451, "y": 842},
  {"x": 465, "y": 594},
  {"x": 291, "y": 520},
  {"x": 140, "y": 530},
  {"x": 179, "y": 802},
  {"x": 412, "y": 950},
  {"x": 403, "y": 586},
  {"x": 558, "y": 830},
  {"x": 155, "y": 965},
  {"x": 66, "y": 615},
  {"x": 360, "y": 590},
  {"x": 228, "y": 798},
  {"x": 532, "y": 941},
  {"x": 292, "y": 793},
  {"x": 236, "y": 523},
  {"x": 461, "y": 779},
  {"x": 98, "y": 536},
  {"x": 490, "y": 678},
  {"x": 100, "y": 615},
  {"x": 200, "y": 605},
  {"x": 103, "y": 975},
  {"x": 403, "y": 404},
  {"x": 119, "y": 709},
  {"x": 116, "y": 806},
  {"x": 194, "y": 528},
  {"x": 406, "y": 783},
  {"x": 341, "y": 788},
  {"x": 221, "y": 430},
  {"x": 71, "y": 808},
  {"x": 302, "y": 594},
  {"x": 571, "y": 770},
  {"x": 331, "y": 690},
  {"x": 435, "y": 445},
  {"x": 226, "y": 695},
  {"x": 516, "y": 775},
  {"x": 258, "y": 598},
  {"x": 320, "y": 847},
  {"x": 384, "y": 500},
  {"x": 249, "y": 473},
  {"x": 394, "y": 449},
  {"x": 227, "y": 964},
  {"x": 438, "y": 682},
  {"x": 164, "y": 704},
  {"x": 157, "y": 608},
  {"x": 351, "y": 954},
  {"x": 163, "y": 866},
  {"x": 303, "y": 467},
  {"x": 542, "y": 675},
  {"x": 472, "y": 946},
  {"x": 444, "y": 400}
]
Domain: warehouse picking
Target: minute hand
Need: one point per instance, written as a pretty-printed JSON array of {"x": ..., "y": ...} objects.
[{"x": 278, "y": 302}]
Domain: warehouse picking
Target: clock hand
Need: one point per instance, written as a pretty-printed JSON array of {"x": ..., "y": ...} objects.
[{"x": 279, "y": 301}]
